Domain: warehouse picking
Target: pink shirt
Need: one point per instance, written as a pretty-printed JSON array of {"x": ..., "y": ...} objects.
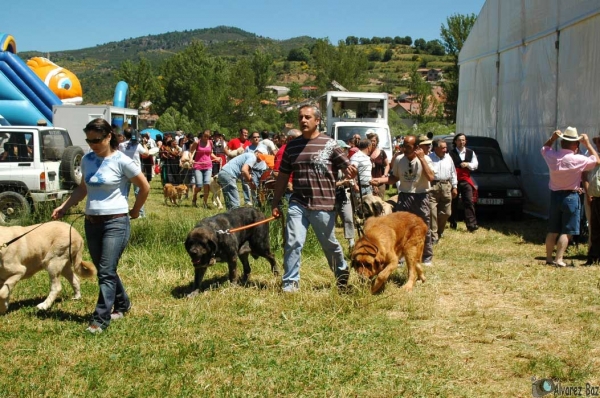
[
  {"x": 202, "y": 159},
  {"x": 566, "y": 167}
]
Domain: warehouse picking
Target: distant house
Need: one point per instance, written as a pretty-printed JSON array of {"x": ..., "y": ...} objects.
[
  {"x": 433, "y": 75},
  {"x": 279, "y": 90},
  {"x": 283, "y": 101}
]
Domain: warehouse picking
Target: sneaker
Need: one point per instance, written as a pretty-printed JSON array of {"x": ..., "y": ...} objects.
[
  {"x": 291, "y": 288},
  {"x": 115, "y": 315},
  {"x": 94, "y": 329}
]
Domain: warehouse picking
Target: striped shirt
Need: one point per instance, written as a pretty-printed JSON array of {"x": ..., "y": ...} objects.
[{"x": 315, "y": 164}]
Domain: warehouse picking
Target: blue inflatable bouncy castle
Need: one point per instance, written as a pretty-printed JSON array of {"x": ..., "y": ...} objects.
[
  {"x": 120, "y": 99},
  {"x": 24, "y": 98}
]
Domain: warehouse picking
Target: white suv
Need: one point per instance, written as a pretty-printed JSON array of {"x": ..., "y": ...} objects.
[{"x": 37, "y": 164}]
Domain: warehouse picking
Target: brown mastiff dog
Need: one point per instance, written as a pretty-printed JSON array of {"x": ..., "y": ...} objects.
[
  {"x": 54, "y": 246},
  {"x": 386, "y": 239}
]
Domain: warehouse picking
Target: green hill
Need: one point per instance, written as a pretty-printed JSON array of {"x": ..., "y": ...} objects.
[{"x": 96, "y": 66}]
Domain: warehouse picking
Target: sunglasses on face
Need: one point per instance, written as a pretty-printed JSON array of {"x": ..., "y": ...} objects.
[{"x": 95, "y": 140}]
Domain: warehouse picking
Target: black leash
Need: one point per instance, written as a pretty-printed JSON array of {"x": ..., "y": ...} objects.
[{"x": 32, "y": 229}]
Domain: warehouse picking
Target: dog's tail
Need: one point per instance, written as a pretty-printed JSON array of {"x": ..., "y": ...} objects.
[{"x": 85, "y": 269}]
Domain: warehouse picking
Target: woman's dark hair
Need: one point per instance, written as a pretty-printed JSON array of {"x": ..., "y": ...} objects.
[{"x": 102, "y": 126}]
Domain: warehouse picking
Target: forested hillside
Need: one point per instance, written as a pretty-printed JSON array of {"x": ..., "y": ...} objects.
[{"x": 215, "y": 78}]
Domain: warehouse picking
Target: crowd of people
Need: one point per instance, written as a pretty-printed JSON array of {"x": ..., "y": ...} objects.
[{"x": 318, "y": 177}]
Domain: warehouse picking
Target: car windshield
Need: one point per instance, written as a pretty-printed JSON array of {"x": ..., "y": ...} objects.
[
  {"x": 344, "y": 133},
  {"x": 490, "y": 163}
]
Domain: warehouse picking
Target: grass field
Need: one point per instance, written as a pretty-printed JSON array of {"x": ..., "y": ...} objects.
[{"x": 489, "y": 318}]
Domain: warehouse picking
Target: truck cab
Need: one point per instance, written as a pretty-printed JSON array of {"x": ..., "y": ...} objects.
[
  {"x": 37, "y": 164},
  {"x": 348, "y": 113}
]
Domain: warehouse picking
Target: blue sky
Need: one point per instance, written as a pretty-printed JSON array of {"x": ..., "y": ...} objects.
[{"x": 74, "y": 24}]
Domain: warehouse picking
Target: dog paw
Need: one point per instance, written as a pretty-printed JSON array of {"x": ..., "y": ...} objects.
[
  {"x": 77, "y": 297},
  {"x": 42, "y": 306},
  {"x": 194, "y": 293}
]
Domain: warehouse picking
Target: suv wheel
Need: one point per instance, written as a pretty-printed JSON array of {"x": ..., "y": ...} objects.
[
  {"x": 13, "y": 208},
  {"x": 70, "y": 167}
]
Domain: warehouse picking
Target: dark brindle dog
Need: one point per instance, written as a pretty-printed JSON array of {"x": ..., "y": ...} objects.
[{"x": 207, "y": 243}]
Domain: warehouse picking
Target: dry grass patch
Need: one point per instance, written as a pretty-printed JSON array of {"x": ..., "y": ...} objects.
[{"x": 489, "y": 317}]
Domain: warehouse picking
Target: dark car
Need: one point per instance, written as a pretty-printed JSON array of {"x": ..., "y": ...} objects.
[{"x": 498, "y": 189}]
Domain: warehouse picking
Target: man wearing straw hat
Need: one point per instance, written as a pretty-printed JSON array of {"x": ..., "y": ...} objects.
[{"x": 566, "y": 166}]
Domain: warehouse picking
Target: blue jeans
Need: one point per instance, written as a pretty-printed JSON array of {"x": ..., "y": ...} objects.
[
  {"x": 202, "y": 177},
  {"x": 564, "y": 214},
  {"x": 247, "y": 193},
  {"x": 323, "y": 223},
  {"x": 106, "y": 242},
  {"x": 230, "y": 191}
]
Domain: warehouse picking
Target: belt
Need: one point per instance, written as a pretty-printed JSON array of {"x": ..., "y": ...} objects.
[
  {"x": 440, "y": 182},
  {"x": 102, "y": 219},
  {"x": 569, "y": 191}
]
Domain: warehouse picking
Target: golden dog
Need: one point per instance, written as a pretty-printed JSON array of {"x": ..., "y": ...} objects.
[
  {"x": 216, "y": 189},
  {"x": 54, "y": 246},
  {"x": 174, "y": 193},
  {"x": 386, "y": 239}
]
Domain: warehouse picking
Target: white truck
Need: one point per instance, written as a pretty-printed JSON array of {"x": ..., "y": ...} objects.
[
  {"x": 348, "y": 113},
  {"x": 38, "y": 164},
  {"x": 75, "y": 117}
]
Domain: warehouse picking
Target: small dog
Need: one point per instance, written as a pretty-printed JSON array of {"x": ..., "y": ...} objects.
[
  {"x": 386, "y": 239},
  {"x": 54, "y": 246},
  {"x": 174, "y": 193},
  {"x": 209, "y": 243},
  {"x": 216, "y": 189}
]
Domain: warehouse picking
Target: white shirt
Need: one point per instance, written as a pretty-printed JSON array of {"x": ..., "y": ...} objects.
[
  {"x": 443, "y": 169},
  {"x": 473, "y": 164},
  {"x": 133, "y": 150}
]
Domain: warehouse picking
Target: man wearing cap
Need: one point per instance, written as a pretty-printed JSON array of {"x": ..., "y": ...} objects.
[
  {"x": 414, "y": 172},
  {"x": 134, "y": 149},
  {"x": 425, "y": 144},
  {"x": 443, "y": 188},
  {"x": 565, "y": 166}
]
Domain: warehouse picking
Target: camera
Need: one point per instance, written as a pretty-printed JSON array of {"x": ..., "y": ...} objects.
[{"x": 542, "y": 387}]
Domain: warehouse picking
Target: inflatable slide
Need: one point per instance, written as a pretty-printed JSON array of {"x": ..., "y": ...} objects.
[{"x": 24, "y": 98}]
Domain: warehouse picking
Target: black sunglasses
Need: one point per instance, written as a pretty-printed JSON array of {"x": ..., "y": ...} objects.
[{"x": 95, "y": 140}]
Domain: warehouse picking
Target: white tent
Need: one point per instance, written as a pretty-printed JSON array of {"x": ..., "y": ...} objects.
[{"x": 530, "y": 67}]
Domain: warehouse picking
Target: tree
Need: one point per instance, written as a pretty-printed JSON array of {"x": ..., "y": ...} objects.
[
  {"x": 421, "y": 90},
  {"x": 435, "y": 47},
  {"x": 457, "y": 31},
  {"x": 295, "y": 92},
  {"x": 387, "y": 56},
  {"x": 420, "y": 44},
  {"x": 454, "y": 36},
  {"x": 351, "y": 40},
  {"x": 143, "y": 84},
  {"x": 345, "y": 64},
  {"x": 261, "y": 67},
  {"x": 408, "y": 40},
  {"x": 195, "y": 84},
  {"x": 299, "y": 54}
]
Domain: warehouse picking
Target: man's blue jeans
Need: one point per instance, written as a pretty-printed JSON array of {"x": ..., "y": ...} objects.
[
  {"x": 323, "y": 223},
  {"x": 230, "y": 190},
  {"x": 106, "y": 242}
]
